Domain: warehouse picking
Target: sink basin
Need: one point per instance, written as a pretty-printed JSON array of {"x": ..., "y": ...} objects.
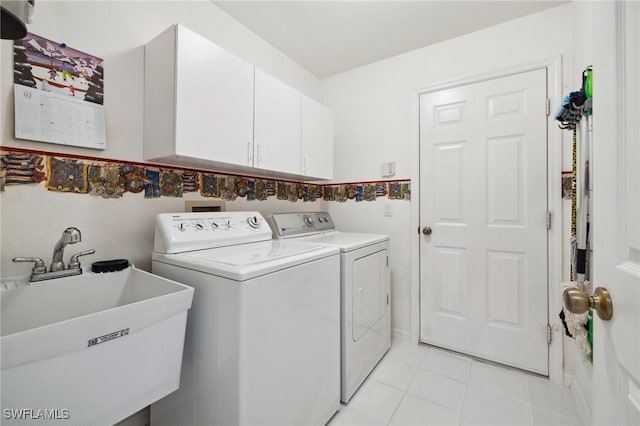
[{"x": 90, "y": 349}]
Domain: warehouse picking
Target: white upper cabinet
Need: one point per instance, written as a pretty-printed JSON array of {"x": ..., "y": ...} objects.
[
  {"x": 276, "y": 125},
  {"x": 214, "y": 100},
  {"x": 316, "y": 140},
  {"x": 198, "y": 101},
  {"x": 206, "y": 108}
]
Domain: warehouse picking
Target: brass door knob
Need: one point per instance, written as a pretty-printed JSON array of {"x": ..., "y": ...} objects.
[
  {"x": 426, "y": 230},
  {"x": 579, "y": 302}
]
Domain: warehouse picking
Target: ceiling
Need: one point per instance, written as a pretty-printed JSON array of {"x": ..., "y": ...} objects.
[{"x": 330, "y": 37}]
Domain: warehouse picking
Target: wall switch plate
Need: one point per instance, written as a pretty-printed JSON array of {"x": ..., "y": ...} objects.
[
  {"x": 388, "y": 169},
  {"x": 387, "y": 210}
]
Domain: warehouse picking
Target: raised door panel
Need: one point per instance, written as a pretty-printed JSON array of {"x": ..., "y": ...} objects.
[
  {"x": 506, "y": 181},
  {"x": 449, "y": 195},
  {"x": 214, "y": 101},
  {"x": 276, "y": 125},
  {"x": 316, "y": 140},
  {"x": 449, "y": 279},
  {"x": 506, "y": 275}
]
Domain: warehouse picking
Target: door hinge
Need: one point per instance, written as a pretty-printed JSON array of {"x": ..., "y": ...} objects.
[
  {"x": 548, "y": 220},
  {"x": 548, "y": 334},
  {"x": 548, "y": 106},
  {"x": 387, "y": 261}
]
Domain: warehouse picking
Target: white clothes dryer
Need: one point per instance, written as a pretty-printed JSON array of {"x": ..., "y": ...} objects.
[
  {"x": 262, "y": 343},
  {"x": 365, "y": 290}
]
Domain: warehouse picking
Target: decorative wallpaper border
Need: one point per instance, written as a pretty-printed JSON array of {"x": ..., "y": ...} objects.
[{"x": 108, "y": 178}]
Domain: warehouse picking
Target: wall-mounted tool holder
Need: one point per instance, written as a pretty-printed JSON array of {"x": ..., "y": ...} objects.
[
  {"x": 575, "y": 114},
  {"x": 576, "y": 104}
]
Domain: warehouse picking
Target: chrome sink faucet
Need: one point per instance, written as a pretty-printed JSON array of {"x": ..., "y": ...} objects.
[
  {"x": 70, "y": 235},
  {"x": 58, "y": 269}
]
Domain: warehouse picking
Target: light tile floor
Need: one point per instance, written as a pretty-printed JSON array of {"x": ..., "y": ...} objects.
[{"x": 421, "y": 385}]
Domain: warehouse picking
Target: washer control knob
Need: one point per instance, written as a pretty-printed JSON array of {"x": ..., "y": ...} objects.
[
  {"x": 182, "y": 227},
  {"x": 214, "y": 225},
  {"x": 253, "y": 222},
  {"x": 199, "y": 226},
  {"x": 308, "y": 220}
]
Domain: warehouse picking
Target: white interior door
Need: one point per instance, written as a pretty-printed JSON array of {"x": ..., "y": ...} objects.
[
  {"x": 616, "y": 211},
  {"x": 483, "y": 180}
]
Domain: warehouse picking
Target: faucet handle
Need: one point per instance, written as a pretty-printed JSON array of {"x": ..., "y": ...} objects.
[
  {"x": 74, "y": 263},
  {"x": 38, "y": 267}
]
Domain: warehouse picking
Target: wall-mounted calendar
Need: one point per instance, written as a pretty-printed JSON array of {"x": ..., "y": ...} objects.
[{"x": 59, "y": 94}]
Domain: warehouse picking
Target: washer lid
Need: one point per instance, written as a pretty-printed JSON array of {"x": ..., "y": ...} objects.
[
  {"x": 255, "y": 255},
  {"x": 246, "y": 261},
  {"x": 347, "y": 241}
]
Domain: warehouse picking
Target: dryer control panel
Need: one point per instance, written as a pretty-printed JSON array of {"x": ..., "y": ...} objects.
[
  {"x": 299, "y": 224},
  {"x": 180, "y": 232}
]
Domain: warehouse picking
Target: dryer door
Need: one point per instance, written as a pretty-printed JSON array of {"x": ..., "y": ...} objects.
[{"x": 369, "y": 291}]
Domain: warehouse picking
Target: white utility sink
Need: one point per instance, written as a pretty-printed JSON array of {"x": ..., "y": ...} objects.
[{"x": 90, "y": 349}]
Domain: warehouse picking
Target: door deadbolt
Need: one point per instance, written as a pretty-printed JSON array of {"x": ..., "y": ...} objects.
[
  {"x": 426, "y": 230},
  {"x": 579, "y": 302}
]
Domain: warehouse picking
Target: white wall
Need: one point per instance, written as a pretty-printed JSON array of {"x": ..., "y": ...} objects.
[
  {"x": 33, "y": 218},
  {"x": 376, "y": 122}
]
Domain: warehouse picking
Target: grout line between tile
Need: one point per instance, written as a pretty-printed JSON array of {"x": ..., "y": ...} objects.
[
  {"x": 397, "y": 406},
  {"x": 466, "y": 382},
  {"x": 464, "y": 400},
  {"x": 526, "y": 383}
]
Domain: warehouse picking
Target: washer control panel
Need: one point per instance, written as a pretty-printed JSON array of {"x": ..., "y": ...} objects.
[
  {"x": 180, "y": 232},
  {"x": 299, "y": 224}
]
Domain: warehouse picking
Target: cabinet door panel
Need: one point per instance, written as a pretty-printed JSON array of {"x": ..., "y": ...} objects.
[
  {"x": 276, "y": 125},
  {"x": 214, "y": 101},
  {"x": 317, "y": 139}
]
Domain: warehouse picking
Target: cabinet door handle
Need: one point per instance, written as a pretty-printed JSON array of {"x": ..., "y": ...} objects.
[
  {"x": 249, "y": 154},
  {"x": 259, "y": 154}
]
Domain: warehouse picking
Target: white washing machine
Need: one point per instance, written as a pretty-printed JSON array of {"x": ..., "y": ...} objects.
[
  {"x": 262, "y": 343},
  {"x": 365, "y": 284}
]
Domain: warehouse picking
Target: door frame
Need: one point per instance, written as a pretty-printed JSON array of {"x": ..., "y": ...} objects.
[{"x": 555, "y": 255}]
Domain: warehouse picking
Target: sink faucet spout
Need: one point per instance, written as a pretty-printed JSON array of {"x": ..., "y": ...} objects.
[{"x": 70, "y": 235}]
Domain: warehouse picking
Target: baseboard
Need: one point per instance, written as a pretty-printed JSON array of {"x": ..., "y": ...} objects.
[
  {"x": 583, "y": 406},
  {"x": 401, "y": 335},
  {"x": 567, "y": 380},
  {"x": 141, "y": 418}
]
